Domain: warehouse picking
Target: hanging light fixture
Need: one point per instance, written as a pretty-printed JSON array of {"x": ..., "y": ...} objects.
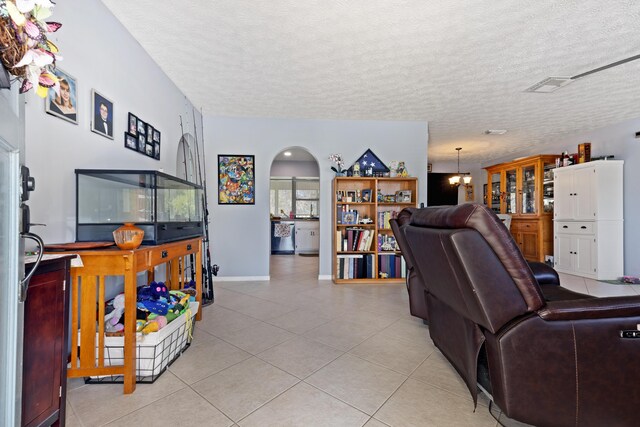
[{"x": 464, "y": 177}]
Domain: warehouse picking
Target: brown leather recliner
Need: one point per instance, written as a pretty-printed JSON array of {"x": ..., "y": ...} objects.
[
  {"x": 553, "y": 358},
  {"x": 544, "y": 274}
]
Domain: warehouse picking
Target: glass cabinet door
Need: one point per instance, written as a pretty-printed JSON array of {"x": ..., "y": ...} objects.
[
  {"x": 547, "y": 188},
  {"x": 528, "y": 201},
  {"x": 495, "y": 192},
  {"x": 510, "y": 191}
]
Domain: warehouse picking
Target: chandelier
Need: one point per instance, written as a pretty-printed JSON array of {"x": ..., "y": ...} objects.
[{"x": 460, "y": 178}]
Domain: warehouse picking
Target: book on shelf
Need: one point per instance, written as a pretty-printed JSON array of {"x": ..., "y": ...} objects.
[
  {"x": 354, "y": 239},
  {"x": 391, "y": 266},
  {"x": 353, "y": 266},
  {"x": 384, "y": 217}
]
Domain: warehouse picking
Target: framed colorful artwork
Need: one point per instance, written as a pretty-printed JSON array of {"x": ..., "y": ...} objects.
[{"x": 236, "y": 185}]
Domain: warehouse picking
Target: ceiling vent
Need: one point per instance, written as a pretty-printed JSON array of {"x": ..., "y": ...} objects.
[
  {"x": 495, "y": 131},
  {"x": 550, "y": 84}
]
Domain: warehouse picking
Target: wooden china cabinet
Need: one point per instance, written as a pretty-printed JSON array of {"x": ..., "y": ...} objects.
[{"x": 523, "y": 189}]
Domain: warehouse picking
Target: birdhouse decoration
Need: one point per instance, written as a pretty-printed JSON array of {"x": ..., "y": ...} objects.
[{"x": 368, "y": 165}]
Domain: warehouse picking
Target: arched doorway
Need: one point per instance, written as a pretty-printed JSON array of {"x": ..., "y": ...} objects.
[{"x": 294, "y": 206}]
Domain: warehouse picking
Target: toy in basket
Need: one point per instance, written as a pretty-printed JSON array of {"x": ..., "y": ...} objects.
[
  {"x": 155, "y": 351},
  {"x": 163, "y": 331}
]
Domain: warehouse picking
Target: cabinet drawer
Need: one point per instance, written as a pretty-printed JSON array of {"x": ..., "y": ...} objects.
[
  {"x": 170, "y": 251},
  {"x": 524, "y": 226},
  {"x": 570, "y": 227}
]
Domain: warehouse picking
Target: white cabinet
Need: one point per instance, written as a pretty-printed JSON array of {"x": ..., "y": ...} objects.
[
  {"x": 588, "y": 219},
  {"x": 307, "y": 236}
]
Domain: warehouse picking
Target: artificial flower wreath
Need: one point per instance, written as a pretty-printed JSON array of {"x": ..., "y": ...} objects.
[{"x": 24, "y": 49}]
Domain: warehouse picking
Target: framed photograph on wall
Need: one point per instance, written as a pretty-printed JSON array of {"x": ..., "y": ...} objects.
[
  {"x": 468, "y": 193},
  {"x": 150, "y": 131},
  {"x": 130, "y": 141},
  {"x": 142, "y": 142},
  {"x": 102, "y": 110},
  {"x": 156, "y": 151},
  {"x": 133, "y": 125},
  {"x": 236, "y": 185},
  {"x": 142, "y": 128},
  {"x": 65, "y": 104}
]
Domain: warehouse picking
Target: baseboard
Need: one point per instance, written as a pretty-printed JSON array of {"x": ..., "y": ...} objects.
[
  {"x": 325, "y": 277},
  {"x": 241, "y": 278}
]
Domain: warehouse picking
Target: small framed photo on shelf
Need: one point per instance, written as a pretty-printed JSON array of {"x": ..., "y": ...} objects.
[
  {"x": 351, "y": 196},
  {"x": 403, "y": 196},
  {"x": 366, "y": 196},
  {"x": 340, "y": 196},
  {"x": 350, "y": 217}
]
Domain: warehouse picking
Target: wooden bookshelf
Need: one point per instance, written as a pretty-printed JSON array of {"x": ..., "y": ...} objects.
[{"x": 357, "y": 246}]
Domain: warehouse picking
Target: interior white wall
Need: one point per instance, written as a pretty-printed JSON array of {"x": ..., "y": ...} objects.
[
  {"x": 100, "y": 54},
  {"x": 298, "y": 169},
  {"x": 240, "y": 233}
]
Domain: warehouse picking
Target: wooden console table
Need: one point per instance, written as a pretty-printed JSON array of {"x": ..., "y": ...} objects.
[{"x": 88, "y": 287}]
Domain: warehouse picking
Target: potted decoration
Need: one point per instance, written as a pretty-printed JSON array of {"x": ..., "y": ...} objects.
[{"x": 338, "y": 169}]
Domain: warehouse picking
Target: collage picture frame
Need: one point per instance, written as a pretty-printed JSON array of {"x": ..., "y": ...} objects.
[{"x": 147, "y": 138}]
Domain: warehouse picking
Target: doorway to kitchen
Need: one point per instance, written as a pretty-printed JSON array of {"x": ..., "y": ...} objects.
[{"x": 294, "y": 206}]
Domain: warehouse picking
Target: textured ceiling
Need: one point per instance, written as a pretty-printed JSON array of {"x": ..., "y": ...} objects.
[{"x": 461, "y": 65}]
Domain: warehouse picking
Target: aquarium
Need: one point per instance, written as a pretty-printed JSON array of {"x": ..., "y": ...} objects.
[{"x": 165, "y": 207}]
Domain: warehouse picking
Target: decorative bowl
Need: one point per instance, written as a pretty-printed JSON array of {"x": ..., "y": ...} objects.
[{"x": 128, "y": 236}]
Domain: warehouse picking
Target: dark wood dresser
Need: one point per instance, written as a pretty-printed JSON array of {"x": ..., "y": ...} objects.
[{"x": 46, "y": 321}]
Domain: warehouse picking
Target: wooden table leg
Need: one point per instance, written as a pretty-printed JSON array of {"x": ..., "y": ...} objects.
[{"x": 130, "y": 324}]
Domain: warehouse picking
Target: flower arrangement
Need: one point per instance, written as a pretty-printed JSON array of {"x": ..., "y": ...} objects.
[
  {"x": 24, "y": 49},
  {"x": 337, "y": 159}
]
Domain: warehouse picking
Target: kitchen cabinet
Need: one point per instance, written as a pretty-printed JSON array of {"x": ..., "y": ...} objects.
[
  {"x": 524, "y": 189},
  {"x": 588, "y": 219},
  {"x": 307, "y": 236}
]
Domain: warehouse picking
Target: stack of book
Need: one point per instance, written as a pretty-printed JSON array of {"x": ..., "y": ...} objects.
[
  {"x": 355, "y": 266},
  {"x": 354, "y": 239}
]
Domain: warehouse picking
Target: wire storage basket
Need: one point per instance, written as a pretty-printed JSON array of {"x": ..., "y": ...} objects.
[{"x": 155, "y": 352}]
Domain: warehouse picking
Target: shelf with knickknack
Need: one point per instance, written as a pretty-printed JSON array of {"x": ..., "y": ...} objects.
[{"x": 364, "y": 248}]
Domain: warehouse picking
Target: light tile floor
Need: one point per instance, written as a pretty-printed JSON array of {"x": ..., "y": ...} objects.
[{"x": 296, "y": 351}]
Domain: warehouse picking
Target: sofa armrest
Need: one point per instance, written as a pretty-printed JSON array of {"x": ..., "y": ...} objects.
[
  {"x": 592, "y": 308},
  {"x": 544, "y": 274}
]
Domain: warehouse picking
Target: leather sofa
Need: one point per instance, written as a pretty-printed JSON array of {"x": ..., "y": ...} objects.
[{"x": 547, "y": 356}]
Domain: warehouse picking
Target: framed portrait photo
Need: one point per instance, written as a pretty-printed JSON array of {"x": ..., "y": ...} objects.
[
  {"x": 149, "y": 133},
  {"x": 156, "y": 136},
  {"x": 156, "y": 151},
  {"x": 148, "y": 150},
  {"x": 236, "y": 185},
  {"x": 142, "y": 142},
  {"x": 131, "y": 141},
  {"x": 142, "y": 128},
  {"x": 133, "y": 124},
  {"x": 102, "y": 109},
  {"x": 65, "y": 104}
]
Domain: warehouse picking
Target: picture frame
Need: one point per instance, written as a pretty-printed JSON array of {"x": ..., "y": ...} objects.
[
  {"x": 468, "y": 193},
  {"x": 102, "y": 110},
  {"x": 148, "y": 150},
  {"x": 133, "y": 124},
  {"x": 65, "y": 105},
  {"x": 150, "y": 130},
  {"x": 351, "y": 196},
  {"x": 131, "y": 141},
  {"x": 484, "y": 193},
  {"x": 366, "y": 196},
  {"x": 156, "y": 136},
  {"x": 403, "y": 196},
  {"x": 339, "y": 195},
  {"x": 156, "y": 151},
  {"x": 349, "y": 217},
  {"x": 142, "y": 142},
  {"x": 142, "y": 128},
  {"x": 236, "y": 179}
]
